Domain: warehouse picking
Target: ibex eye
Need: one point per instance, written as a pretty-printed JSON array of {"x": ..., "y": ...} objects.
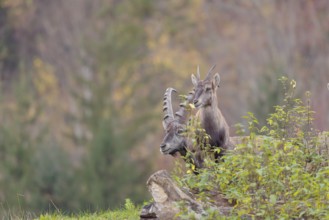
[
  {"x": 180, "y": 131},
  {"x": 208, "y": 89}
]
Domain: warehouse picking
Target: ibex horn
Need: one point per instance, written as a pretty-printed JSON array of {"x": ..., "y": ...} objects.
[
  {"x": 167, "y": 106},
  {"x": 198, "y": 72},
  {"x": 181, "y": 113},
  {"x": 209, "y": 72}
]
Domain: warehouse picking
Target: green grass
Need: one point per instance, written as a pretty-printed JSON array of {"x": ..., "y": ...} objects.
[
  {"x": 116, "y": 214},
  {"x": 128, "y": 212}
]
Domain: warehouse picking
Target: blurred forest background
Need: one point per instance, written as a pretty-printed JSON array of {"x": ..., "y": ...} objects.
[{"x": 82, "y": 85}]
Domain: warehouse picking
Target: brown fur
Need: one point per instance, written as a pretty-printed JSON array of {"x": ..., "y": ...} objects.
[{"x": 210, "y": 116}]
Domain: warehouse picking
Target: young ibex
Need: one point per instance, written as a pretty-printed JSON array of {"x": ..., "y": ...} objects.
[
  {"x": 209, "y": 114},
  {"x": 174, "y": 126}
]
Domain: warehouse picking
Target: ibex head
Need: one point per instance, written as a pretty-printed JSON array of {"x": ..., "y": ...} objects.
[
  {"x": 174, "y": 125},
  {"x": 205, "y": 90}
]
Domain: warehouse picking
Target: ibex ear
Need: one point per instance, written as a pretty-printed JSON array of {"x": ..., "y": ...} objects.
[
  {"x": 194, "y": 80},
  {"x": 216, "y": 80}
]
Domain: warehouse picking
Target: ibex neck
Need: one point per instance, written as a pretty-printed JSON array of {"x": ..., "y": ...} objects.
[
  {"x": 211, "y": 117},
  {"x": 213, "y": 105}
]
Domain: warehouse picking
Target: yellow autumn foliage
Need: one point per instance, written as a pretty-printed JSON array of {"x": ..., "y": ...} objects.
[{"x": 45, "y": 81}]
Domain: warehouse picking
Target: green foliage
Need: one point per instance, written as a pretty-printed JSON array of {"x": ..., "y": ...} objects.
[
  {"x": 40, "y": 169},
  {"x": 8, "y": 47},
  {"x": 17, "y": 148},
  {"x": 34, "y": 169},
  {"x": 282, "y": 175},
  {"x": 112, "y": 169},
  {"x": 268, "y": 92},
  {"x": 53, "y": 179}
]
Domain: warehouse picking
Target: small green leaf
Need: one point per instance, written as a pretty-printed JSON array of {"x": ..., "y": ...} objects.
[{"x": 272, "y": 199}]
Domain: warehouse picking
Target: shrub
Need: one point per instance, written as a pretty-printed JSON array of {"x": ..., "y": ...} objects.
[{"x": 281, "y": 175}]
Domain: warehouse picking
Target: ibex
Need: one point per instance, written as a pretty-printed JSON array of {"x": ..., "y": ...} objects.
[
  {"x": 211, "y": 118},
  {"x": 174, "y": 126}
]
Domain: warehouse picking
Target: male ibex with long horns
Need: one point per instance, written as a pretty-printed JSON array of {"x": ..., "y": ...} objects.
[
  {"x": 211, "y": 118},
  {"x": 173, "y": 141},
  {"x": 175, "y": 125}
]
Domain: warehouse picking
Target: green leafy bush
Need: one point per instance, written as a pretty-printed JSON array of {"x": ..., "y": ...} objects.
[{"x": 280, "y": 171}]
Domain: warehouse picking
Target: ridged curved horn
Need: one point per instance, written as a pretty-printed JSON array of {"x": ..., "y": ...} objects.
[
  {"x": 167, "y": 106},
  {"x": 209, "y": 72},
  {"x": 181, "y": 113}
]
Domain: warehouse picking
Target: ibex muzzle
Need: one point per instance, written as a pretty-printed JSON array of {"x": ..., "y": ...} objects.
[{"x": 173, "y": 141}]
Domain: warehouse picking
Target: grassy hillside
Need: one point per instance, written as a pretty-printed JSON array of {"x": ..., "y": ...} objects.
[
  {"x": 117, "y": 214},
  {"x": 128, "y": 212}
]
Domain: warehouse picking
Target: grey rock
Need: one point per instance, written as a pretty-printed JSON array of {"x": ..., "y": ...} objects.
[{"x": 166, "y": 195}]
